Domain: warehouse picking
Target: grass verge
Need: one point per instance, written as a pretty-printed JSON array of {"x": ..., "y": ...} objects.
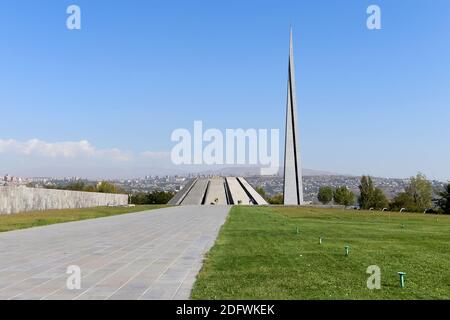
[
  {"x": 260, "y": 255},
  {"x": 43, "y": 218}
]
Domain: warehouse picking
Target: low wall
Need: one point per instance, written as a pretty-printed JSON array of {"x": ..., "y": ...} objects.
[{"x": 22, "y": 199}]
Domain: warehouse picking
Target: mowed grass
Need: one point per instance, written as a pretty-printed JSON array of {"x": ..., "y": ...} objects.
[
  {"x": 42, "y": 218},
  {"x": 259, "y": 255}
]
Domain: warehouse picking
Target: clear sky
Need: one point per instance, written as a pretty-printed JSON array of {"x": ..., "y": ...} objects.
[{"x": 104, "y": 100}]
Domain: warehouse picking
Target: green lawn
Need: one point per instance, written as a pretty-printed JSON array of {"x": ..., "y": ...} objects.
[
  {"x": 42, "y": 218},
  {"x": 259, "y": 255}
]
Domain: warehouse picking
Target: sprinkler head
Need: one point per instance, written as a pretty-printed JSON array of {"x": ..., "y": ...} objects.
[
  {"x": 347, "y": 250},
  {"x": 402, "y": 279}
]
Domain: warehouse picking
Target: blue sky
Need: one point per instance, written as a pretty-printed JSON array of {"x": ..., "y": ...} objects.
[{"x": 375, "y": 102}]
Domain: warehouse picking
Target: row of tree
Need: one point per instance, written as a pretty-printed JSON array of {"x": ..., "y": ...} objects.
[
  {"x": 417, "y": 197},
  {"x": 341, "y": 195},
  {"x": 102, "y": 187},
  {"x": 155, "y": 197}
]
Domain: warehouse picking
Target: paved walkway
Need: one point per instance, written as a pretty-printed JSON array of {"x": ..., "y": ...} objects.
[{"x": 149, "y": 255}]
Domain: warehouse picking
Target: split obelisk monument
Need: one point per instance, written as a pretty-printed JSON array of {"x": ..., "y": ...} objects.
[{"x": 293, "y": 184}]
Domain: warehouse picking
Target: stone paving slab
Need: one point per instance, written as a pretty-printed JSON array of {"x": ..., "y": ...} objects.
[{"x": 146, "y": 255}]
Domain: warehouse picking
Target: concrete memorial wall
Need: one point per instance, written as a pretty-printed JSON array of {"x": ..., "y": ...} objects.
[{"x": 23, "y": 199}]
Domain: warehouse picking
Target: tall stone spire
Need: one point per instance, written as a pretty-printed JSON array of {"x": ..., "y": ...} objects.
[{"x": 293, "y": 183}]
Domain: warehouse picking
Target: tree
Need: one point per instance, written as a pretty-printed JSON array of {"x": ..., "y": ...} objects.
[
  {"x": 379, "y": 200},
  {"x": 106, "y": 187},
  {"x": 344, "y": 196},
  {"x": 261, "y": 192},
  {"x": 371, "y": 197},
  {"x": 75, "y": 186},
  {"x": 276, "y": 199},
  {"x": 325, "y": 195},
  {"x": 155, "y": 197},
  {"x": 417, "y": 197},
  {"x": 90, "y": 188},
  {"x": 160, "y": 197},
  {"x": 421, "y": 191},
  {"x": 444, "y": 202},
  {"x": 402, "y": 200},
  {"x": 367, "y": 190},
  {"x": 139, "y": 198}
]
